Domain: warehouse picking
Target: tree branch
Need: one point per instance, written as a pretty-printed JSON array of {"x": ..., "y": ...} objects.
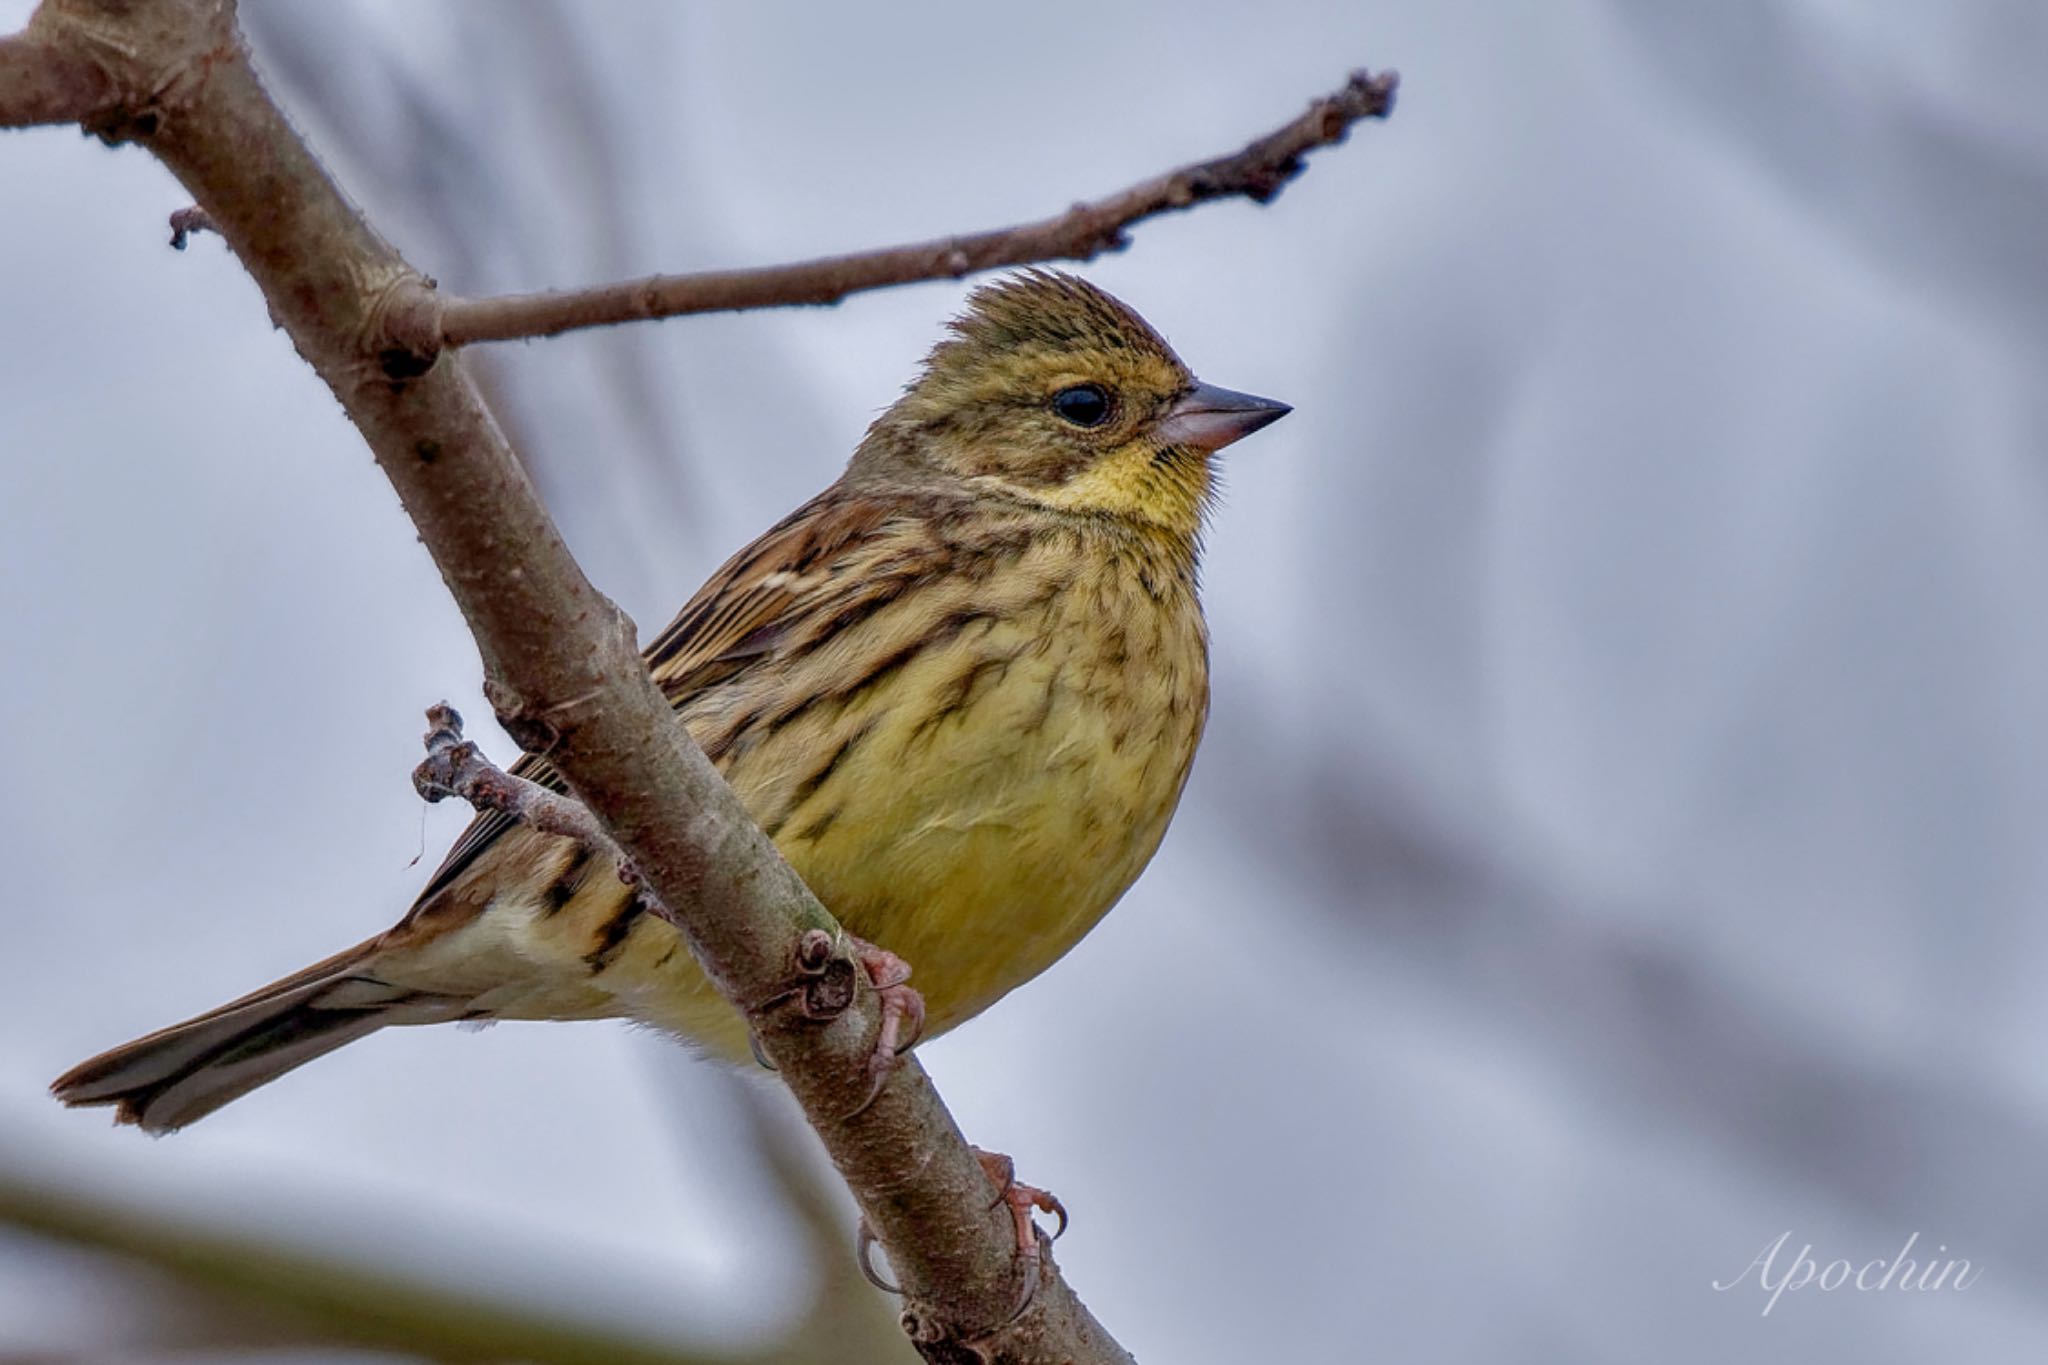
[
  {"x": 426, "y": 322},
  {"x": 562, "y": 668},
  {"x": 454, "y": 766},
  {"x": 48, "y": 82}
]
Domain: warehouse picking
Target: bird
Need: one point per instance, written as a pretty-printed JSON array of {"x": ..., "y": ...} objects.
[{"x": 961, "y": 689}]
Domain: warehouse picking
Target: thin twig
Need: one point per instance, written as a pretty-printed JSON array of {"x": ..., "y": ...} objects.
[
  {"x": 185, "y": 222},
  {"x": 426, "y": 322},
  {"x": 455, "y": 766}
]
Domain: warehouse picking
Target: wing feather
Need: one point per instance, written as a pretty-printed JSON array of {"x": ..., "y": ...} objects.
[{"x": 744, "y": 613}]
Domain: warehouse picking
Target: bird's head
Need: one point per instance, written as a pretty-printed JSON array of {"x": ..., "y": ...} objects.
[{"x": 1052, "y": 392}]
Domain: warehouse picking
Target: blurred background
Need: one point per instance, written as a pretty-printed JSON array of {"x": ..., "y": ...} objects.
[{"x": 1618, "y": 840}]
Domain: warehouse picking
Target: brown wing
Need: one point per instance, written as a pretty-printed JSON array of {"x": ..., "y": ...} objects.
[
  {"x": 740, "y": 615},
  {"x": 745, "y": 609}
]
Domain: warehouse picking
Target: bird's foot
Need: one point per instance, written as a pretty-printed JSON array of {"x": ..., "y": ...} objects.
[
  {"x": 902, "y": 1006},
  {"x": 1021, "y": 1199},
  {"x": 902, "y": 1011},
  {"x": 822, "y": 995}
]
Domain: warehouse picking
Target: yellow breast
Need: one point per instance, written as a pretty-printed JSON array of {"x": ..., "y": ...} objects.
[
  {"x": 970, "y": 781},
  {"x": 1001, "y": 778},
  {"x": 981, "y": 841}
]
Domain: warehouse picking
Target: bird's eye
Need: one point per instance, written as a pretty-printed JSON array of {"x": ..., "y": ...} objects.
[{"x": 1085, "y": 405}]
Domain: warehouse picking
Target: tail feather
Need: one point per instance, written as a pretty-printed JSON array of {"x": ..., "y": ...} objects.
[{"x": 181, "y": 1074}]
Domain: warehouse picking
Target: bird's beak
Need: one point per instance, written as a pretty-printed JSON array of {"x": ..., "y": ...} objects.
[{"x": 1209, "y": 418}]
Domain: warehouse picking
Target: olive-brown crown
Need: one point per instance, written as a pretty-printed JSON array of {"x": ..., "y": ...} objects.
[{"x": 1049, "y": 390}]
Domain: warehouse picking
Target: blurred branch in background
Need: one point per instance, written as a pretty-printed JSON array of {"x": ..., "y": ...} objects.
[
  {"x": 1658, "y": 1029},
  {"x": 1889, "y": 158},
  {"x": 244, "y": 1290}
]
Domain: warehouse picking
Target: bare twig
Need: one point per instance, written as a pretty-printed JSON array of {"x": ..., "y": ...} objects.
[
  {"x": 184, "y": 223},
  {"x": 454, "y": 766},
  {"x": 424, "y": 322}
]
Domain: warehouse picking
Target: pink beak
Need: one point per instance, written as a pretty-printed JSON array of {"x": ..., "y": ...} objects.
[{"x": 1209, "y": 418}]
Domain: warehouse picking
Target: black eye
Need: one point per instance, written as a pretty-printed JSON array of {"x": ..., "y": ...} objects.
[{"x": 1085, "y": 405}]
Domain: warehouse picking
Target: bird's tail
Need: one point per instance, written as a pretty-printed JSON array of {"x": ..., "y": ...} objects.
[{"x": 181, "y": 1074}]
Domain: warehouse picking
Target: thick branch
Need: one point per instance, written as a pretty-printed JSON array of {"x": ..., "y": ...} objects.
[
  {"x": 428, "y": 321},
  {"x": 564, "y": 674},
  {"x": 48, "y": 82}
]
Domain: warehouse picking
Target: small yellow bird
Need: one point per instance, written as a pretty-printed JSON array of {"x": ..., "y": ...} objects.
[{"x": 960, "y": 689}]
